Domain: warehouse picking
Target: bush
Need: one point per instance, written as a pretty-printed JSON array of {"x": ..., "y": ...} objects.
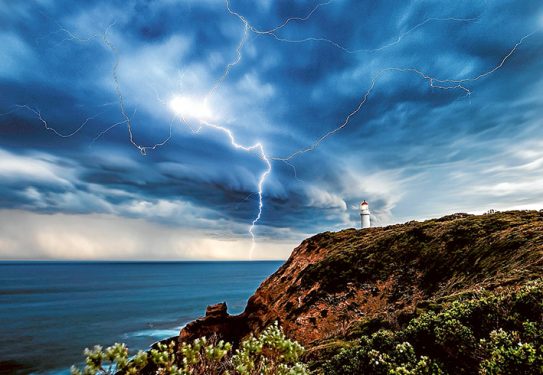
[
  {"x": 270, "y": 353},
  {"x": 110, "y": 361},
  {"x": 489, "y": 334},
  {"x": 382, "y": 354},
  {"x": 509, "y": 355}
]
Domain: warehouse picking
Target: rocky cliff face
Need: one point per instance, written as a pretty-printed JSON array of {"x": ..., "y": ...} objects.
[{"x": 334, "y": 281}]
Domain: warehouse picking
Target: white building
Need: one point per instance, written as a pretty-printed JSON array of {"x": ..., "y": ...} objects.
[{"x": 365, "y": 215}]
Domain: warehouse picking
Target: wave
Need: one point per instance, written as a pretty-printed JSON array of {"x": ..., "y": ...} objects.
[{"x": 155, "y": 333}]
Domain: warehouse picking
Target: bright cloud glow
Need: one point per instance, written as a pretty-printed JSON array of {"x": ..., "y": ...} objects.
[{"x": 186, "y": 107}]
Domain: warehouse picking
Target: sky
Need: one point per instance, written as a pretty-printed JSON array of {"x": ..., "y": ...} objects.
[{"x": 155, "y": 129}]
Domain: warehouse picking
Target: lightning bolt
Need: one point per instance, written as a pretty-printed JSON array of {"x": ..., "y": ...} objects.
[
  {"x": 262, "y": 179},
  {"x": 273, "y": 31},
  {"x": 230, "y": 65},
  {"x": 398, "y": 39},
  {"x": 247, "y": 27},
  {"x": 258, "y": 148},
  {"x": 276, "y": 28},
  {"x": 36, "y": 112},
  {"x": 127, "y": 120},
  {"x": 70, "y": 36},
  {"x": 442, "y": 84}
]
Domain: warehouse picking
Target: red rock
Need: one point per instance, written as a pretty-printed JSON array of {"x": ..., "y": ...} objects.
[{"x": 382, "y": 273}]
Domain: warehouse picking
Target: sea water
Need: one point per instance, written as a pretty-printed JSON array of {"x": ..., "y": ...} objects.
[{"x": 51, "y": 311}]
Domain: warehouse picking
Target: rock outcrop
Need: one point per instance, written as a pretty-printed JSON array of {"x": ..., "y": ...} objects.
[
  {"x": 218, "y": 322},
  {"x": 333, "y": 281}
]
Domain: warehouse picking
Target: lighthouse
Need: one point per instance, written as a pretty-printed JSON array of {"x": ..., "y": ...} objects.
[{"x": 365, "y": 215}]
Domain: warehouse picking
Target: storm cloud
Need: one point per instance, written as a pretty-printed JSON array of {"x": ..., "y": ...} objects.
[{"x": 414, "y": 150}]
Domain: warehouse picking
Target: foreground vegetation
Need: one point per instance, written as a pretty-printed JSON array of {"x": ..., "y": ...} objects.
[
  {"x": 483, "y": 333},
  {"x": 269, "y": 353},
  {"x": 487, "y": 333}
]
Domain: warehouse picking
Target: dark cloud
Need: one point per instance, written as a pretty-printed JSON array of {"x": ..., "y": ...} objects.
[{"x": 409, "y": 143}]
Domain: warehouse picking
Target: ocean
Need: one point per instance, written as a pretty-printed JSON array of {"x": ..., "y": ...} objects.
[{"x": 51, "y": 311}]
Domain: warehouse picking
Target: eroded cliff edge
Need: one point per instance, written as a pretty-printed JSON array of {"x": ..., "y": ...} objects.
[{"x": 332, "y": 282}]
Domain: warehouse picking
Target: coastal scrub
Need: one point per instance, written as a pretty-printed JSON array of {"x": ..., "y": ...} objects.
[{"x": 270, "y": 353}]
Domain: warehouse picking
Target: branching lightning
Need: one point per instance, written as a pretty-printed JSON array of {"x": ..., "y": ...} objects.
[
  {"x": 442, "y": 84},
  {"x": 36, "y": 112},
  {"x": 398, "y": 39},
  {"x": 127, "y": 120},
  {"x": 230, "y": 65},
  {"x": 278, "y": 27},
  {"x": 273, "y": 31},
  {"x": 262, "y": 179},
  {"x": 203, "y": 122},
  {"x": 72, "y": 37},
  {"x": 437, "y": 83},
  {"x": 105, "y": 131}
]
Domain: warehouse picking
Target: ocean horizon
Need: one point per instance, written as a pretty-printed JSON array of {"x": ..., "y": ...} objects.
[{"x": 52, "y": 310}]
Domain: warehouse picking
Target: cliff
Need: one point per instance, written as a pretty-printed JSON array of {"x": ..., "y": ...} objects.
[{"x": 335, "y": 283}]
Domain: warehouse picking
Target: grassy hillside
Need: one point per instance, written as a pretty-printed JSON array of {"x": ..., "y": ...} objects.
[
  {"x": 435, "y": 257},
  {"x": 333, "y": 281},
  {"x": 498, "y": 332}
]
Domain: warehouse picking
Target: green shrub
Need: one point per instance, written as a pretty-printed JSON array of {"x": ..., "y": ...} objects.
[
  {"x": 270, "y": 353},
  {"x": 490, "y": 334},
  {"x": 381, "y": 354},
  {"x": 110, "y": 361},
  {"x": 510, "y": 355}
]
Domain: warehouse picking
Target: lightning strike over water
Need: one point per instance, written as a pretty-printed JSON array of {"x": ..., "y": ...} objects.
[
  {"x": 186, "y": 108},
  {"x": 182, "y": 111},
  {"x": 191, "y": 111},
  {"x": 262, "y": 179}
]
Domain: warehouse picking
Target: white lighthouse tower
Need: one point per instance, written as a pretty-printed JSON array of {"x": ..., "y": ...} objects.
[{"x": 365, "y": 215}]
